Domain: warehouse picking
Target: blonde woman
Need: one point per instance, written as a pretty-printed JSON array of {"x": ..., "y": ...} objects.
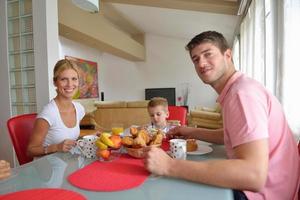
[{"x": 57, "y": 126}]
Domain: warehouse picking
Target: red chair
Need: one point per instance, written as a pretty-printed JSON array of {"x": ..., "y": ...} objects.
[
  {"x": 178, "y": 113},
  {"x": 20, "y": 128}
]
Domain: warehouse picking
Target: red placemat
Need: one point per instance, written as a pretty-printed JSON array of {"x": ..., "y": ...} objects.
[
  {"x": 165, "y": 145},
  {"x": 121, "y": 174},
  {"x": 43, "y": 194}
]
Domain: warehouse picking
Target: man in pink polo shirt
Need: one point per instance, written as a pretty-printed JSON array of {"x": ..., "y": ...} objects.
[{"x": 263, "y": 160}]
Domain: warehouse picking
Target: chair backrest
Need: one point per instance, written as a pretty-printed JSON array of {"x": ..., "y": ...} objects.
[
  {"x": 20, "y": 128},
  {"x": 178, "y": 113}
]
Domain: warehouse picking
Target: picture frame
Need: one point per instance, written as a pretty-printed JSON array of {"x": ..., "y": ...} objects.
[{"x": 88, "y": 78}]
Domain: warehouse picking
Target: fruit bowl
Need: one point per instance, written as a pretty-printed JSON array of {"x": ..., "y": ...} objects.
[
  {"x": 109, "y": 154},
  {"x": 109, "y": 147},
  {"x": 138, "y": 152}
]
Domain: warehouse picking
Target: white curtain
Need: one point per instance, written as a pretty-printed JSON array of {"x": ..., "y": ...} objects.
[
  {"x": 269, "y": 43},
  {"x": 236, "y": 53},
  {"x": 252, "y": 42},
  {"x": 288, "y": 73}
]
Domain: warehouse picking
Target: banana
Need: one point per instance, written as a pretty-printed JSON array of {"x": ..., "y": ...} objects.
[
  {"x": 101, "y": 145},
  {"x": 105, "y": 139},
  {"x": 106, "y": 134}
]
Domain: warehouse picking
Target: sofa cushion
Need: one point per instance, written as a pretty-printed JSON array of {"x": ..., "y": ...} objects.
[
  {"x": 137, "y": 104},
  {"x": 110, "y": 104},
  {"x": 206, "y": 114}
]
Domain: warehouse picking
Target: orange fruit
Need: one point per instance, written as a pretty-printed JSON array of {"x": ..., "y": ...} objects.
[
  {"x": 103, "y": 154},
  {"x": 117, "y": 140}
]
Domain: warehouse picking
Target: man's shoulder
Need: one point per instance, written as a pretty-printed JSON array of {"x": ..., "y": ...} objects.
[{"x": 246, "y": 84}]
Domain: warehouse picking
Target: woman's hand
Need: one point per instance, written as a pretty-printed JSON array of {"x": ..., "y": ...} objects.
[
  {"x": 66, "y": 145},
  {"x": 5, "y": 170}
]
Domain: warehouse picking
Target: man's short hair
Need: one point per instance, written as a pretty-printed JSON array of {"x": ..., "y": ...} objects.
[
  {"x": 209, "y": 36},
  {"x": 158, "y": 101}
]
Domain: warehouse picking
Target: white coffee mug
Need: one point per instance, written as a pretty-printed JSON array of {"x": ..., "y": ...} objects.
[
  {"x": 87, "y": 145},
  {"x": 178, "y": 148}
]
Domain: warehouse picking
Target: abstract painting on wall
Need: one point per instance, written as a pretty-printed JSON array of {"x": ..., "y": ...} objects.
[{"x": 88, "y": 78}]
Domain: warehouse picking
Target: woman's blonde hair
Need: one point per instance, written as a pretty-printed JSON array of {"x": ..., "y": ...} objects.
[{"x": 62, "y": 65}]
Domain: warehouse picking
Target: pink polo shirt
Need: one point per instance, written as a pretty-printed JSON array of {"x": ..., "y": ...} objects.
[{"x": 251, "y": 113}]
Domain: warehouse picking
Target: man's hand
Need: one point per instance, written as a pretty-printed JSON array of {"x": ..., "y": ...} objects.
[
  {"x": 157, "y": 161},
  {"x": 214, "y": 136},
  {"x": 180, "y": 132}
]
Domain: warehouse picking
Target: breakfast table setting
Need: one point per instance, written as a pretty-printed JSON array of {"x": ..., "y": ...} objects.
[{"x": 103, "y": 169}]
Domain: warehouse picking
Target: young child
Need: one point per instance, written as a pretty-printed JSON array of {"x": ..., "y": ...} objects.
[{"x": 158, "y": 112}]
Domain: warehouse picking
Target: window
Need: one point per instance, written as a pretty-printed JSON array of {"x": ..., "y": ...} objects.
[{"x": 269, "y": 43}]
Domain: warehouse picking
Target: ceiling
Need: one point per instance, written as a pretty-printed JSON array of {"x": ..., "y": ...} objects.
[
  {"x": 120, "y": 26},
  {"x": 177, "y": 23}
]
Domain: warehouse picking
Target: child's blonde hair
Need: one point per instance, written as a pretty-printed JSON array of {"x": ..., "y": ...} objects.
[{"x": 158, "y": 101}]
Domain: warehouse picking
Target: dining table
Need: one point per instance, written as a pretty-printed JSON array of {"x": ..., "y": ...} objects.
[{"x": 52, "y": 171}]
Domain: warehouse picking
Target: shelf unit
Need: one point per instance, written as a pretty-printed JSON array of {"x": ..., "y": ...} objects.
[{"x": 21, "y": 56}]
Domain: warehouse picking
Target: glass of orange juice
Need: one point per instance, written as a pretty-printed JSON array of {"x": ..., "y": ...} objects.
[{"x": 117, "y": 129}]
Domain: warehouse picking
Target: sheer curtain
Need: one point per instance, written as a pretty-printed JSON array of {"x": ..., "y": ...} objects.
[
  {"x": 236, "y": 53},
  {"x": 269, "y": 44},
  {"x": 252, "y": 42},
  {"x": 288, "y": 73}
]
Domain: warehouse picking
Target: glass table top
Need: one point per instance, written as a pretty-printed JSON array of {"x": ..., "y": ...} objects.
[{"x": 51, "y": 171}]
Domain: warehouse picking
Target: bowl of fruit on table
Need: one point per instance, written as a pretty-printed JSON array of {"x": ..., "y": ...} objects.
[{"x": 109, "y": 147}]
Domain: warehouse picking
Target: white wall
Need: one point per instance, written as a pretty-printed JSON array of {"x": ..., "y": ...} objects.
[
  {"x": 6, "y": 149},
  {"x": 167, "y": 65},
  {"x": 45, "y": 33}
]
